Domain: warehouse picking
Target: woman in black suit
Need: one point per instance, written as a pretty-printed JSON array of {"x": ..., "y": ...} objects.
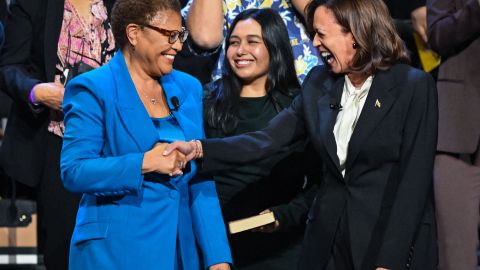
[
  {"x": 47, "y": 43},
  {"x": 373, "y": 120}
]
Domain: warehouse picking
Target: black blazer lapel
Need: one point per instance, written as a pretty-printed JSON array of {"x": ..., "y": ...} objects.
[
  {"x": 327, "y": 116},
  {"x": 378, "y": 103},
  {"x": 53, "y": 26}
]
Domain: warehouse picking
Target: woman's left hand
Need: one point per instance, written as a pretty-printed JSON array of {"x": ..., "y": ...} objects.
[{"x": 220, "y": 266}]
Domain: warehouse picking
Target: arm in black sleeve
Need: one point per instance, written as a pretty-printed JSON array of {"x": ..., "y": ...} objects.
[
  {"x": 450, "y": 28},
  {"x": 415, "y": 175},
  {"x": 18, "y": 70},
  {"x": 282, "y": 131},
  {"x": 294, "y": 213}
]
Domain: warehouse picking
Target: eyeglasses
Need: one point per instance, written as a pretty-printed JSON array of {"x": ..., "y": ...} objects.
[{"x": 173, "y": 35}]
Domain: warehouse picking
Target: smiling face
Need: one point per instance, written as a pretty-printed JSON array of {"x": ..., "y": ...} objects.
[
  {"x": 335, "y": 45},
  {"x": 152, "y": 48},
  {"x": 247, "y": 54}
]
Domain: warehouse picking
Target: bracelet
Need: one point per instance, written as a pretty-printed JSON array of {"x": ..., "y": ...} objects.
[
  {"x": 197, "y": 148},
  {"x": 200, "y": 148},
  {"x": 194, "y": 145}
]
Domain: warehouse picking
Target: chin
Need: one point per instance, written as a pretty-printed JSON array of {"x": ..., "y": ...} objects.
[
  {"x": 242, "y": 76},
  {"x": 165, "y": 71},
  {"x": 335, "y": 70},
  {"x": 164, "y": 68}
]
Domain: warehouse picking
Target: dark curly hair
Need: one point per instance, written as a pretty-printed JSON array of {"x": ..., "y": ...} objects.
[{"x": 139, "y": 12}]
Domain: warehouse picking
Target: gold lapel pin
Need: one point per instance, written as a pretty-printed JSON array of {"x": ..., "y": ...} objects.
[{"x": 378, "y": 104}]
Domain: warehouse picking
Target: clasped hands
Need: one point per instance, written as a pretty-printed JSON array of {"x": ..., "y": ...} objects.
[
  {"x": 171, "y": 163},
  {"x": 167, "y": 158}
]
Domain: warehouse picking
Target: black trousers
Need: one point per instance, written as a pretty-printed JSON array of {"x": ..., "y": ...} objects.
[
  {"x": 341, "y": 254},
  {"x": 57, "y": 209}
]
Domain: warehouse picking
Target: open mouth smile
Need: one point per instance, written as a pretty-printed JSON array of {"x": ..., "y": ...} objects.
[
  {"x": 243, "y": 62},
  {"x": 327, "y": 57}
]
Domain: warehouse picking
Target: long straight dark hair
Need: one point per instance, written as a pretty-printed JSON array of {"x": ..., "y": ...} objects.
[{"x": 221, "y": 104}]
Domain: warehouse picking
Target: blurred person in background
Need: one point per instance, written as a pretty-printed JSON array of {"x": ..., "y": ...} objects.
[
  {"x": 47, "y": 43},
  {"x": 5, "y": 101},
  {"x": 410, "y": 17},
  {"x": 192, "y": 59},
  {"x": 454, "y": 33}
]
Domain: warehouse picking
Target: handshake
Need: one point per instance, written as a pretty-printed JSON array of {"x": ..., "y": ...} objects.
[{"x": 171, "y": 158}]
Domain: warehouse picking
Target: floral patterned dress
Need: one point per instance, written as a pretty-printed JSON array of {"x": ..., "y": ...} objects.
[{"x": 81, "y": 41}]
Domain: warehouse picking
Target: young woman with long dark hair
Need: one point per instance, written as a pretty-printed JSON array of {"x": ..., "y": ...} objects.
[{"x": 259, "y": 82}]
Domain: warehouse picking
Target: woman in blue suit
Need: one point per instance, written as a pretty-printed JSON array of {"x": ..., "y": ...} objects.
[{"x": 133, "y": 215}]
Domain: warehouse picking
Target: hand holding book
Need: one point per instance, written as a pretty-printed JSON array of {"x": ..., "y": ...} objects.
[
  {"x": 253, "y": 222},
  {"x": 267, "y": 228}
]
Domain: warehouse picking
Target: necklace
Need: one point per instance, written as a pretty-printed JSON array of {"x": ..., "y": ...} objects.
[{"x": 153, "y": 101}]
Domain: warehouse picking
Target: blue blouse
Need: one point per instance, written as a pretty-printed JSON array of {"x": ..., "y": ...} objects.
[{"x": 168, "y": 131}]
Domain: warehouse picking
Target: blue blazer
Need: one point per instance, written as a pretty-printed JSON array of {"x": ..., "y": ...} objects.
[{"x": 124, "y": 222}]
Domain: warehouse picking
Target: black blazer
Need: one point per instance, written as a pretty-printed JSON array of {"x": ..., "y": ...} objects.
[
  {"x": 29, "y": 57},
  {"x": 387, "y": 188}
]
